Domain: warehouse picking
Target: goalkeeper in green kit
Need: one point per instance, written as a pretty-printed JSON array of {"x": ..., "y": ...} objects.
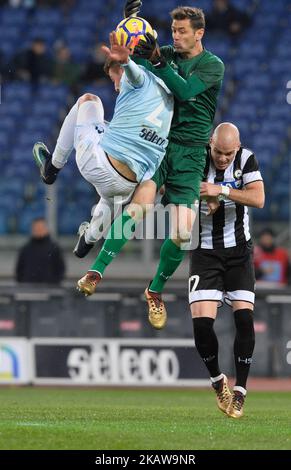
[{"x": 194, "y": 75}]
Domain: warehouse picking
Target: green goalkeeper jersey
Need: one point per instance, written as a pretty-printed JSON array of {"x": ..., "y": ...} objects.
[{"x": 195, "y": 83}]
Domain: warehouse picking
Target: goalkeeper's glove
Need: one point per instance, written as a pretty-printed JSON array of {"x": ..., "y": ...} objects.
[
  {"x": 149, "y": 50},
  {"x": 132, "y": 8}
]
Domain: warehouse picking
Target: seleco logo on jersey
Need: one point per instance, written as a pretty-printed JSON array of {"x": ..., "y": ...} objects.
[
  {"x": 152, "y": 136},
  {"x": 9, "y": 365},
  {"x": 113, "y": 363}
]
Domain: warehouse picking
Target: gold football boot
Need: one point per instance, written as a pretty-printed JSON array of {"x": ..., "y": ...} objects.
[
  {"x": 223, "y": 394},
  {"x": 87, "y": 284},
  {"x": 235, "y": 409},
  {"x": 157, "y": 311}
]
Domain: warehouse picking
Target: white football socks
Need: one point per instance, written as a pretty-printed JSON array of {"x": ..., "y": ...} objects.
[
  {"x": 65, "y": 142},
  {"x": 89, "y": 112}
]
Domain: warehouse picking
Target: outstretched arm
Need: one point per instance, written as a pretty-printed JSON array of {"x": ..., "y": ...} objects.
[
  {"x": 150, "y": 56},
  {"x": 120, "y": 53},
  {"x": 135, "y": 75}
]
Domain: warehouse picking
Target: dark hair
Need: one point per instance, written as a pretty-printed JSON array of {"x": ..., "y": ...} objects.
[
  {"x": 267, "y": 231},
  {"x": 39, "y": 219},
  {"x": 38, "y": 39},
  {"x": 195, "y": 15},
  {"x": 110, "y": 63}
]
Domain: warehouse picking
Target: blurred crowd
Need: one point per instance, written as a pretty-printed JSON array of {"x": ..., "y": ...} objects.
[
  {"x": 272, "y": 263},
  {"x": 32, "y": 4},
  {"x": 37, "y": 64}
]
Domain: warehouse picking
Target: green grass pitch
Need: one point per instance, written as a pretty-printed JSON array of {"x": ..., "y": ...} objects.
[{"x": 50, "y": 418}]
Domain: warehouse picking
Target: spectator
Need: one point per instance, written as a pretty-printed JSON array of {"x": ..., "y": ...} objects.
[
  {"x": 272, "y": 263},
  {"x": 224, "y": 17},
  {"x": 29, "y": 4},
  {"x": 40, "y": 260},
  {"x": 64, "y": 69},
  {"x": 94, "y": 71},
  {"x": 2, "y": 63},
  {"x": 34, "y": 64}
]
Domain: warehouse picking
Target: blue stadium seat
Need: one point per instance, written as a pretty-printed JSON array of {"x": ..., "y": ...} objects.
[
  {"x": 11, "y": 204},
  {"x": 28, "y": 139},
  {"x": 284, "y": 212},
  {"x": 275, "y": 127},
  {"x": 13, "y": 16},
  {"x": 4, "y": 140},
  {"x": 263, "y": 153},
  {"x": 47, "y": 33},
  {"x": 80, "y": 52},
  {"x": 277, "y": 66},
  {"x": 258, "y": 50},
  {"x": 259, "y": 35},
  {"x": 44, "y": 125},
  {"x": 23, "y": 170},
  {"x": 27, "y": 215},
  {"x": 9, "y": 33},
  {"x": 70, "y": 219},
  {"x": 9, "y": 48},
  {"x": 242, "y": 4},
  {"x": 216, "y": 45},
  {"x": 85, "y": 19},
  {"x": 268, "y": 19},
  {"x": 82, "y": 34},
  {"x": 259, "y": 81},
  {"x": 281, "y": 113},
  {"x": 242, "y": 68},
  {"x": 14, "y": 186},
  {"x": 268, "y": 8},
  {"x": 53, "y": 92},
  {"x": 248, "y": 111},
  {"x": 23, "y": 153},
  {"x": 48, "y": 108},
  {"x": 258, "y": 106},
  {"x": 270, "y": 141},
  {"x": 48, "y": 16},
  {"x": 16, "y": 91},
  {"x": 90, "y": 5},
  {"x": 250, "y": 96},
  {"x": 13, "y": 108}
]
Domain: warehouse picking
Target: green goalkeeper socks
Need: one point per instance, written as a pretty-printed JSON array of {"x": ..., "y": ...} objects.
[
  {"x": 171, "y": 257},
  {"x": 120, "y": 232}
]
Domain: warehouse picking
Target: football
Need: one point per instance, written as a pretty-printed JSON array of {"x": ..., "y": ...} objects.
[{"x": 133, "y": 29}]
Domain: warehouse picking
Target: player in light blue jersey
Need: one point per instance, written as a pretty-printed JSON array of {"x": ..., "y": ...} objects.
[
  {"x": 137, "y": 134},
  {"x": 114, "y": 158}
]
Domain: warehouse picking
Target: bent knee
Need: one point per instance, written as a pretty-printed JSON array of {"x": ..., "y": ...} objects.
[{"x": 88, "y": 97}]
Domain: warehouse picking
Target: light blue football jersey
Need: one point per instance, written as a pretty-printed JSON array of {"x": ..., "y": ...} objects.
[{"x": 137, "y": 134}]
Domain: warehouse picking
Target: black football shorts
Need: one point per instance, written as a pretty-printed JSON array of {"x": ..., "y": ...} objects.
[{"x": 224, "y": 274}]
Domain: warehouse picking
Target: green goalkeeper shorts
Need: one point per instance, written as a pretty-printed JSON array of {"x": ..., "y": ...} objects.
[{"x": 181, "y": 171}]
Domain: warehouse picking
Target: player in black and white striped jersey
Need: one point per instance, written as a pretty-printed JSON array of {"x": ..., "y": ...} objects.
[
  {"x": 229, "y": 225},
  {"x": 222, "y": 265}
]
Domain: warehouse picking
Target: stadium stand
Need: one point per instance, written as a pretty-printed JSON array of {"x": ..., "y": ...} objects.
[{"x": 253, "y": 97}]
